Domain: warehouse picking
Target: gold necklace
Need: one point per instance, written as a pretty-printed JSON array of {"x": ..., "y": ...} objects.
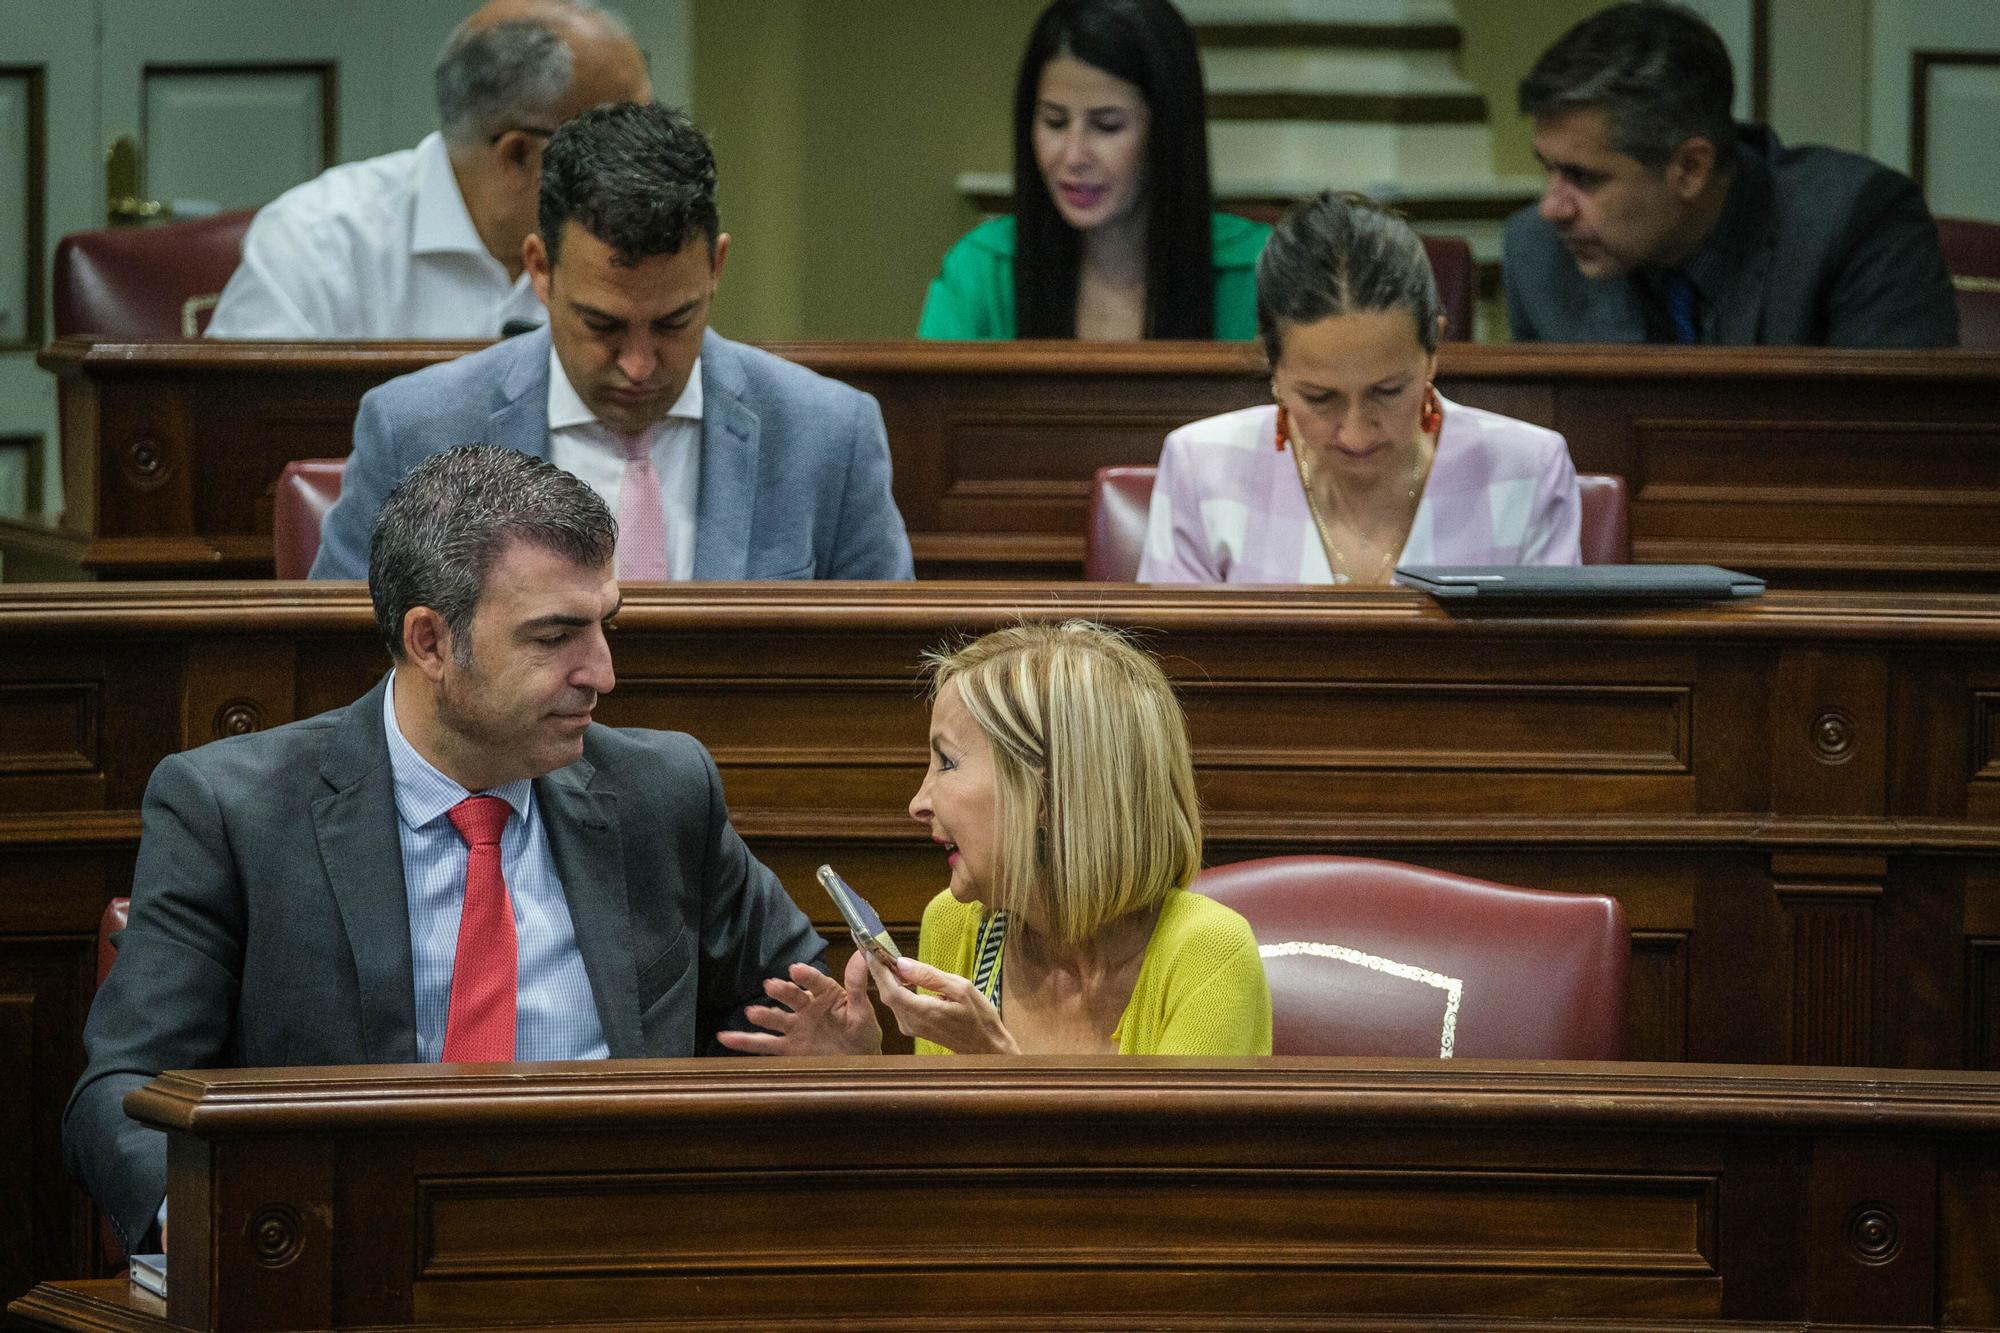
[{"x": 1334, "y": 557}]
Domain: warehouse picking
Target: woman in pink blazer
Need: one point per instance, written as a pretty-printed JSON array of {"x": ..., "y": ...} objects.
[{"x": 1359, "y": 465}]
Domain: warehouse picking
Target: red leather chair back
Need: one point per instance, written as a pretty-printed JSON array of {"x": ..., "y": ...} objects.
[
  {"x": 139, "y": 282},
  {"x": 306, "y": 490},
  {"x": 1972, "y": 253},
  {"x": 1120, "y": 497},
  {"x": 116, "y": 912},
  {"x": 1381, "y": 958},
  {"x": 1451, "y": 264},
  {"x": 1119, "y": 500},
  {"x": 1605, "y": 527}
]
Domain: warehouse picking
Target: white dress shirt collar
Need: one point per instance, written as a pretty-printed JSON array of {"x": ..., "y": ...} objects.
[
  {"x": 567, "y": 410},
  {"x": 443, "y": 223}
]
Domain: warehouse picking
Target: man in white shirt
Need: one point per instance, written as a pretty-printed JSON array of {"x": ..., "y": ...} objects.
[
  {"x": 426, "y": 243},
  {"x": 720, "y": 461}
]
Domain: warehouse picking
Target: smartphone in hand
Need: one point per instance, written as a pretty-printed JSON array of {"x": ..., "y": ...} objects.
[{"x": 863, "y": 920}]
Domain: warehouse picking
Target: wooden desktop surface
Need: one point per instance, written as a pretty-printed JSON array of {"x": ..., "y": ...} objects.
[{"x": 1814, "y": 467}]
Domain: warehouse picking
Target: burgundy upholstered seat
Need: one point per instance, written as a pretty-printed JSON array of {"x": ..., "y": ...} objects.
[
  {"x": 1381, "y": 958},
  {"x": 306, "y": 490},
  {"x": 146, "y": 282},
  {"x": 1451, "y": 265}
]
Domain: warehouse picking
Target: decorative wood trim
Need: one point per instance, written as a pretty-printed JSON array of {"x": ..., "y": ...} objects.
[
  {"x": 1533, "y": 363},
  {"x": 1664, "y": 952},
  {"x": 264, "y": 609},
  {"x": 1982, "y": 1003},
  {"x": 1351, "y": 36},
  {"x": 1830, "y": 928},
  {"x": 1921, "y": 63},
  {"x": 71, "y": 829},
  {"x": 120, "y": 1307},
  {"x": 1266, "y": 206},
  {"x": 76, "y": 752},
  {"x": 1367, "y": 108},
  {"x": 383, "y": 1100},
  {"x": 36, "y": 192}
]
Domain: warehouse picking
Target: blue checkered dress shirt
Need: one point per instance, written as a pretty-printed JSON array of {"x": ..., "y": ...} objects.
[{"x": 555, "y": 1014}]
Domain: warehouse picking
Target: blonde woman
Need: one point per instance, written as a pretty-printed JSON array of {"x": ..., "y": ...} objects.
[{"x": 1061, "y": 792}]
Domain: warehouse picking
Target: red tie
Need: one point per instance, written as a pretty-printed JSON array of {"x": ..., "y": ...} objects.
[
  {"x": 481, "y": 1025},
  {"x": 642, "y": 527}
]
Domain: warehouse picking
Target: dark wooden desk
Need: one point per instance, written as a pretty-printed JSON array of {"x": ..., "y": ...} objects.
[
  {"x": 1796, "y": 800},
  {"x": 1812, "y": 467},
  {"x": 1058, "y": 1194}
]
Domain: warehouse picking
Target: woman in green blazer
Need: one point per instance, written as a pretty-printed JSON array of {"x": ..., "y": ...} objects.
[{"x": 1112, "y": 234}]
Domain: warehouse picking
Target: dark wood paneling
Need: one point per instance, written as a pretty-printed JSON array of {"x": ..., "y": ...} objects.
[
  {"x": 1782, "y": 908},
  {"x": 1058, "y": 1194},
  {"x": 1816, "y": 467}
]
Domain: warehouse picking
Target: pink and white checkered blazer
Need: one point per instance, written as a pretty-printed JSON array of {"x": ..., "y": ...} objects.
[{"x": 1228, "y": 508}]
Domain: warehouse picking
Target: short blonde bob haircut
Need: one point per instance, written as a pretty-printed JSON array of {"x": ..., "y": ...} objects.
[{"x": 1097, "y": 813}]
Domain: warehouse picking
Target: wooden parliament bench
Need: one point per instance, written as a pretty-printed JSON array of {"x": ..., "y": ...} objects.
[
  {"x": 1811, "y": 467},
  {"x": 1795, "y": 799},
  {"x": 1059, "y": 1194}
]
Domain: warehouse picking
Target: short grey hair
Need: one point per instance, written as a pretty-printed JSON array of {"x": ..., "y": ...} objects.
[
  {"x": 441, "y": 531},
  {"x": 1341, "y": 253},
  {"x": 499, "y": 76},
  {"x": 1660, "y": 72}
]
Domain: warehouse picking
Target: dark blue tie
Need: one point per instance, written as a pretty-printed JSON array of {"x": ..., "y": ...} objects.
[{"x": 1680, "y": 307}]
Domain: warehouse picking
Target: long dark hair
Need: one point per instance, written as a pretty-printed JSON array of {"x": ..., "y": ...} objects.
[{"x": 1148, "y": 44}]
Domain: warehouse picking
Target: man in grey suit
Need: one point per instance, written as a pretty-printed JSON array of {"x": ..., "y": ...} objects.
[
  {"x": 312, "y": 895},
  {"x": 1664, "y": 220},
  {"x": 721, "y": 461}
]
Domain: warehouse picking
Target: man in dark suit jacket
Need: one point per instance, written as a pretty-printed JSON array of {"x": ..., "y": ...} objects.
[
  {"x": 301, "y": 896},
  {"x": 764, "y": 470},
  {"x": 1663, "y": 220}
]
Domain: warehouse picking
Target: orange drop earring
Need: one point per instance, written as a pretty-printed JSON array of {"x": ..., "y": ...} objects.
[
  {"x": 1433, "y": 416},
  {"x": 1284, "y": 429}
]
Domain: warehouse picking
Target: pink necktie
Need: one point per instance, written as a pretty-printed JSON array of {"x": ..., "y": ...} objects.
[
  {"x": 484, "y": 971},
  {"x": 642, "y": 529}
]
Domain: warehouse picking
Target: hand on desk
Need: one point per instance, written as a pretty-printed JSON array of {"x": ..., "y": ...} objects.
[{"x": 821, "y": 1016}]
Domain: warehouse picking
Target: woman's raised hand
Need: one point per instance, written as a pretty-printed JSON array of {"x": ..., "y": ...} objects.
[
  {"x": 956, "y": 1016},
  {"x": 821, "y": 1016}
]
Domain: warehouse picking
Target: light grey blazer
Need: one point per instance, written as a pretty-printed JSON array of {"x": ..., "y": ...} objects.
[
  {"x": 270, "y": 924},
  {"x": 794, "y": 466}
]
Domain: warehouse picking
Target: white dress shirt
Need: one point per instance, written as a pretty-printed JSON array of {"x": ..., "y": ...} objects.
[
  {"x": 580, "y": 444},
  {"x": 378, "y": 249}
]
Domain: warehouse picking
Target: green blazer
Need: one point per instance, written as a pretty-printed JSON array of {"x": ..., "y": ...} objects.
[{"x": 973, "y": 294}]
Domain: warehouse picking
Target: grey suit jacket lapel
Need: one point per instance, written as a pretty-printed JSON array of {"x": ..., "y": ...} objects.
[
  {"x": 729, "y": 444},
  {"x": 355, "y": 825},
  {"x": 1750, "y": 252},
  {"x": 584, "y": 839},
  {"x": 521, "y": 421}
]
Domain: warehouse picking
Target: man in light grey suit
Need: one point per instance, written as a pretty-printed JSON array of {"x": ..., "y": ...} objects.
[
  {"x": 306, "y": 895},
  {"x": 1664, "y": 220},
  {"x": 721, "y": 461}
]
